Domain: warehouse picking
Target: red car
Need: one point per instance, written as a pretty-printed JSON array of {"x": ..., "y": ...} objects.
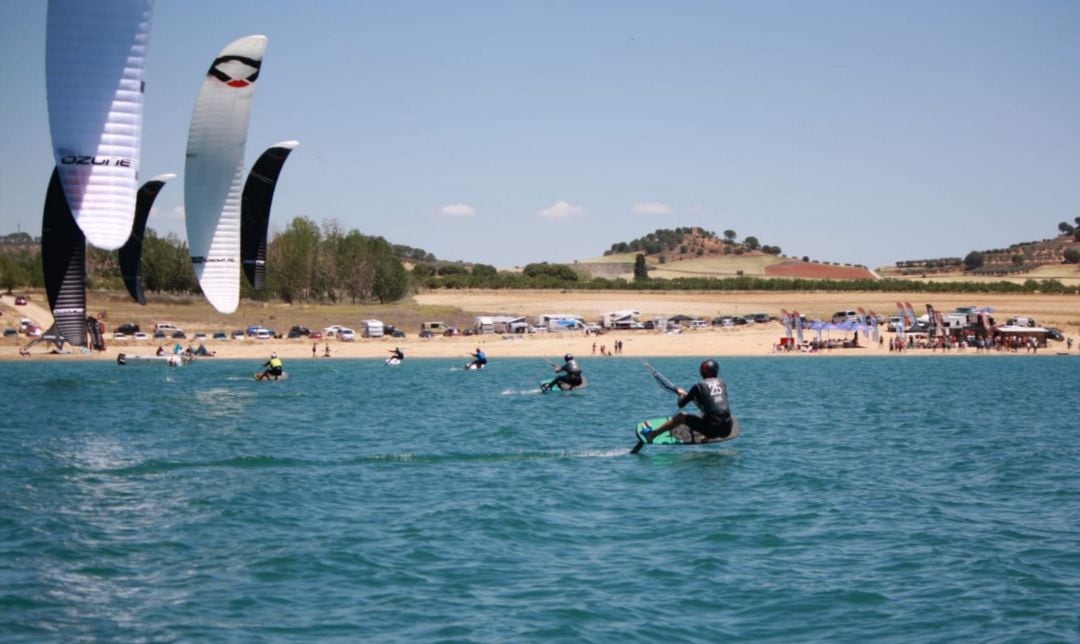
[{"x": 19, "y": 301}]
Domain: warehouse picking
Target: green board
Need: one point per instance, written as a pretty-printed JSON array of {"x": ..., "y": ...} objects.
[{"x": 682, "y": 435}]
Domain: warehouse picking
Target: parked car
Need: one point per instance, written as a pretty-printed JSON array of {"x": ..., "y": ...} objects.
[
  {"x": 426, "y": 334},
  {"x": 166, "y": 327},
  {"x": 119, "y": 336},
  {"x": 199, "y": 336},
  {"x": 128, "y": 329},
  {"x": 220, "y": 335},
  {"x": 298, "y": 332},
  {"x": 315, "y": 335},
  {"x": 139, "y": 335},
  {"x": 698, "y": 324},
  {"x": 238, "y": 334},
  {"x": 178, "y": 335},
  {"x": 452, "y": 331},
  {"x": 263, "y": 334},
  {"x": 10, "y": 332},
  {"x": 20, "y": 300},
  {"x": 159, "y": 335},
  {"x": 346, "y": 334},
  {"x": 332, "y": 330}
]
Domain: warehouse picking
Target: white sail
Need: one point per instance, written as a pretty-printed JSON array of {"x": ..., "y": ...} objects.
[
  {"x": 94, "y": 69},
  {"x": 214, "y": 173}
]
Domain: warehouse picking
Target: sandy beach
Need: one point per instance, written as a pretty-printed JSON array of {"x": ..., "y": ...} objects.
[{"x": 1058, "y": 311}]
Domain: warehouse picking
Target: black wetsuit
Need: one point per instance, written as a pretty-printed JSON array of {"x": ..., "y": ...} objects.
[
  {"x": 571, "y": 375},
  {"x": 711, "y": 397},
  {"x": 274, "y": 368}
]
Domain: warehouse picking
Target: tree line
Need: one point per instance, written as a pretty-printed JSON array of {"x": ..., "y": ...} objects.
[{"x": 305, "y": 262}]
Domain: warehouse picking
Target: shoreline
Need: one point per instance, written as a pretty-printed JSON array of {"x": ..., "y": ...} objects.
[
  {"x": 461, "y": 306},
  {"x": 705, "y": 343}
]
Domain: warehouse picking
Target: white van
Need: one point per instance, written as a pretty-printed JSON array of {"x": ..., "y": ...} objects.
[
  {"x": 845, "y": 316},
  {"x": 373, "y": 328},
  {"x": 167, "y": 328}
]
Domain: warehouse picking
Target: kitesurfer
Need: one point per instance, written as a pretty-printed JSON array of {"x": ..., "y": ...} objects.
[
  {"x": 274, "y": 368},
  {"x": 711, "y": 396},
  {"x": 479, "y": 360},
  {"x": 571, "y": 375}
]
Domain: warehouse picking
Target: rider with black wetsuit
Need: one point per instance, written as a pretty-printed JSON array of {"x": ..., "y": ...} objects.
[
  {"x": 711, "y": 397},
  {"x": 571, "y": 376}
]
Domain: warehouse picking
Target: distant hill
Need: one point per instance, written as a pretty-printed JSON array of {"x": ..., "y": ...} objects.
[
  {"x": 1016, "y": 259},
  {"x": 697, "y": 252}
]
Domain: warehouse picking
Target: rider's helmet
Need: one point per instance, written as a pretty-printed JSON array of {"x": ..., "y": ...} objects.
[
  {"x": 568, "y": 357},
  {"x": 709, "y": 368},
  {"x": 273, "y": 355}
]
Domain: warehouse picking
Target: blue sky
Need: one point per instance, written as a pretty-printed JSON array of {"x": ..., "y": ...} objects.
[{"x": 512, "y": 132}]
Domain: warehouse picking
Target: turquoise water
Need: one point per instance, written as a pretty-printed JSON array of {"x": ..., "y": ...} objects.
[{"x": 894, "y": 499}]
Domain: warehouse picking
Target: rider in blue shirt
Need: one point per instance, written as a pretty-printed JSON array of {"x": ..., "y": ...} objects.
[{"x": 479, "y": 361}]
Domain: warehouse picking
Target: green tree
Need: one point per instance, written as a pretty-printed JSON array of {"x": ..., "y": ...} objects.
[
  {"x": 1066, "y": 228},
  {"x": 291, "y": 260},
  {"x": 356, "y": 267},
  {"x": 1072, "y": 256},
  {"x": 421, "y": 270},
  {"x": 641, "y": 271},
  {"x": 166, "y": 264},
  {"x": 452, "y": 269},
  {"x": 559, "y": 272},
  {"x": 484, "y": 271},
  {"x": 974, "y": 260},
  {"x": 390, "y": 282},
  {"x": 729, "y": 235},
  {"x": 1018, "y": 259},
  {"x": 13, "y": 272},
  {"x": 752, "y": 243}
]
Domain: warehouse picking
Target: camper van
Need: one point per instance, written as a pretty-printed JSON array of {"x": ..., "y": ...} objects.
[
  {"x": 431, "y": 329},
  {"x": 621, "y": 320},
  {"x": 560, "y": 322},
  {"x": 484, "y": 324},
  {"x": 372, "y": 328},
  {"x": 509, "y": 324},
  {"x": 845, "y": 316}
]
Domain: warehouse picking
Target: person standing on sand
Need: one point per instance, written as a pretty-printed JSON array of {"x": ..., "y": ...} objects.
[
  {"x": 711, "y": 396},
  {"x": 326, "y": 352},
  {"x": 314, "y": 346}
]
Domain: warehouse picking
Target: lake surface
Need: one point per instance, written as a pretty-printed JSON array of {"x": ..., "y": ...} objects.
[{"x": 889, "y": 499}]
